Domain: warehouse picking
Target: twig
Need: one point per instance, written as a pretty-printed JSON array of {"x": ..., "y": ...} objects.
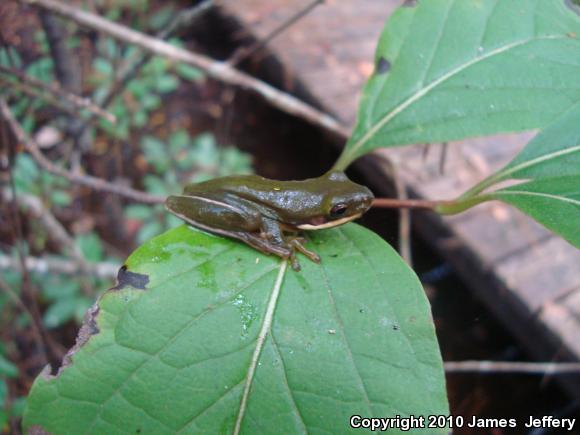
[
  {"x": 58, "y": 92},
  {"x": 185, "y": 18},
  {"x": 130, "y": 68},
  {"x": 86, "y": 180},
  {"x": 215, "y": 69},
  {"x": 54, "y": 229},
  {"x": 10, "y": 85},
  {"x": 65, "y": 64},
  {"x": 67, "y": 71},
  {"x": 63, "y": 266},
  {"x": 39, "y": 337},
  {"x": 245, "y": 52},
  {"x": 443, "y": 158},
  {"x": 549, "y": 368},
  {"x": 406, "y": 203}
]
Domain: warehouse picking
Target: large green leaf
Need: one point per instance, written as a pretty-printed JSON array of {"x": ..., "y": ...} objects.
[
  {"x": 451, "y": 69},
  {"x": 554, "y": 202},
  {"x": 205, "y": 335},
  {"x": 551, "y": 165}
]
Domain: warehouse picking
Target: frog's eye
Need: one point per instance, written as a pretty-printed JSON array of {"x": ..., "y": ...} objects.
[{"x": 338, "y": 210}]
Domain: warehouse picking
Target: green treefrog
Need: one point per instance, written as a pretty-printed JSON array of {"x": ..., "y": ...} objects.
[{"x": 268, "y": 214}]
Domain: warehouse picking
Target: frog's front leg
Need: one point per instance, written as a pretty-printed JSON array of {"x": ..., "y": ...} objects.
[{"x": 273, "y": 232}]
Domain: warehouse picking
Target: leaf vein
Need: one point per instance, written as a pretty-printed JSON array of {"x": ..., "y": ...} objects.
[{"x": 386, "y": 118}]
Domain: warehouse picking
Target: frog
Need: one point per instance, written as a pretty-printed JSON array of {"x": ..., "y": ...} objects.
[{"x": 270, "y": 215}]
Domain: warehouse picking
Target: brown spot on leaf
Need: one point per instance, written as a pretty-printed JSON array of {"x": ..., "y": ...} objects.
[
  {"x": 410, "y": 3},
  {"x": 88, "y": 329},
  {"x": 383, "y": 66},
  {"x": 127, "y": 278}
]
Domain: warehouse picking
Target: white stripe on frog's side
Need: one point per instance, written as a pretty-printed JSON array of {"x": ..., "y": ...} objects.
[
  {"x": 212, "y": 201},
  {"x": 329, "y": 224}
]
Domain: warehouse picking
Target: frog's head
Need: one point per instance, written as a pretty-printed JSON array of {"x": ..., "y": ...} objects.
[{"x": 343, "y": 201}]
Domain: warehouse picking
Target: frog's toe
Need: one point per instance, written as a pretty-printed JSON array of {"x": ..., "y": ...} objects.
[
  {"x": 297, "y": 244},
  {"x": 294, "y": 262}
]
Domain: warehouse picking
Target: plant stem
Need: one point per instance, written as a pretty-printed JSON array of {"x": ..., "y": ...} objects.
[
  {"x": 406, "y": 203},
  {"x": 442, "y": 207}
]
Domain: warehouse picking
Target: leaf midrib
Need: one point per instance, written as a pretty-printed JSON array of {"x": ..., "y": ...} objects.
[
  {"x": 262, "y": 335},
  {"x": 501, "y": 193},
  {"x": 424, "y": 91},
  {"x": 502, "y": 175}
]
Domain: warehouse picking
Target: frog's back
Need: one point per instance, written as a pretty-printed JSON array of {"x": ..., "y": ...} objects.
[{"x": 235, "y": 184}]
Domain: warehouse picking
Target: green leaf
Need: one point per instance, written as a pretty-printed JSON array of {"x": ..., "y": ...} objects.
[
  {"x": 148, "y": 230},
  {"x": 154, "y": 185},
  {"x": 60, "y": 198},
  {"x": 60, "y": 312},
  {"x": 166, "y": 83},
  {"x": 553, "y": 152},
  {"x": 204, "y": 333},
  {"x": 189, "y": 72},
  {"x": 451, "y": 69},
  {"x": 179, "y": 140},
  {"x": 161, "y": 18},
  {"x": 55, "y": 288},
  {"x": 7, "y": 368},
  {"x": 91, "y": 246},
  {"x": 3, "y": 393},
  {"x": 140, "y": 118},
  {"x": 103, "y": 67},
  {"x": 551, "y": 165},
  {"x": 138, "y": 211},
  {"x": 554, "y": 202},
  {"x": 18, "y": 405},
  {"x": 155, "y": 153}
]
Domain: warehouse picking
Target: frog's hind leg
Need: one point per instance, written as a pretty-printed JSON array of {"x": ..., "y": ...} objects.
[{"x": 236, "y": 221}]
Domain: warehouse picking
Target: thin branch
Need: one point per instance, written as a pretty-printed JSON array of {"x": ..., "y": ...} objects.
[
  {"x": 65, "y": 64},
  {"x": 39, "y": 338},
  {"x": 404, "y": 213},
  {"x": 67, "y": 71},
  {"x": 443, "y": 157},
  {"x": 43, "y": 265},
  {"x": 85, "y": 180},
  {"x": 9, "y": 85},
  {"x": 130, "y": 68},
  {"x": 54, "y": 230},
  {"x": 407, "y": 203},
  {"x": 184, "y": 19},
  {"x": 541, "y": 368},
  {"x": 57, "y": 92},
  {"x": 215, "y": 69},
  {"x": 245, "y": 52}
]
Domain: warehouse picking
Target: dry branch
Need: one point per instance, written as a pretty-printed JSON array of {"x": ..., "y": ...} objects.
[
  {"x": 62, "y": 266},
  {"x": 85, "y": 180},
  {"x": 215, "y": 69},
  {"x": 540, "y": 368},
  {"x": 56, "y": 92},
  {"x": 129, "y": 69}
]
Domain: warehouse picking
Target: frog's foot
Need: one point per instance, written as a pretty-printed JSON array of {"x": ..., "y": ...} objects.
[{"x": 297, "y": 244}]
